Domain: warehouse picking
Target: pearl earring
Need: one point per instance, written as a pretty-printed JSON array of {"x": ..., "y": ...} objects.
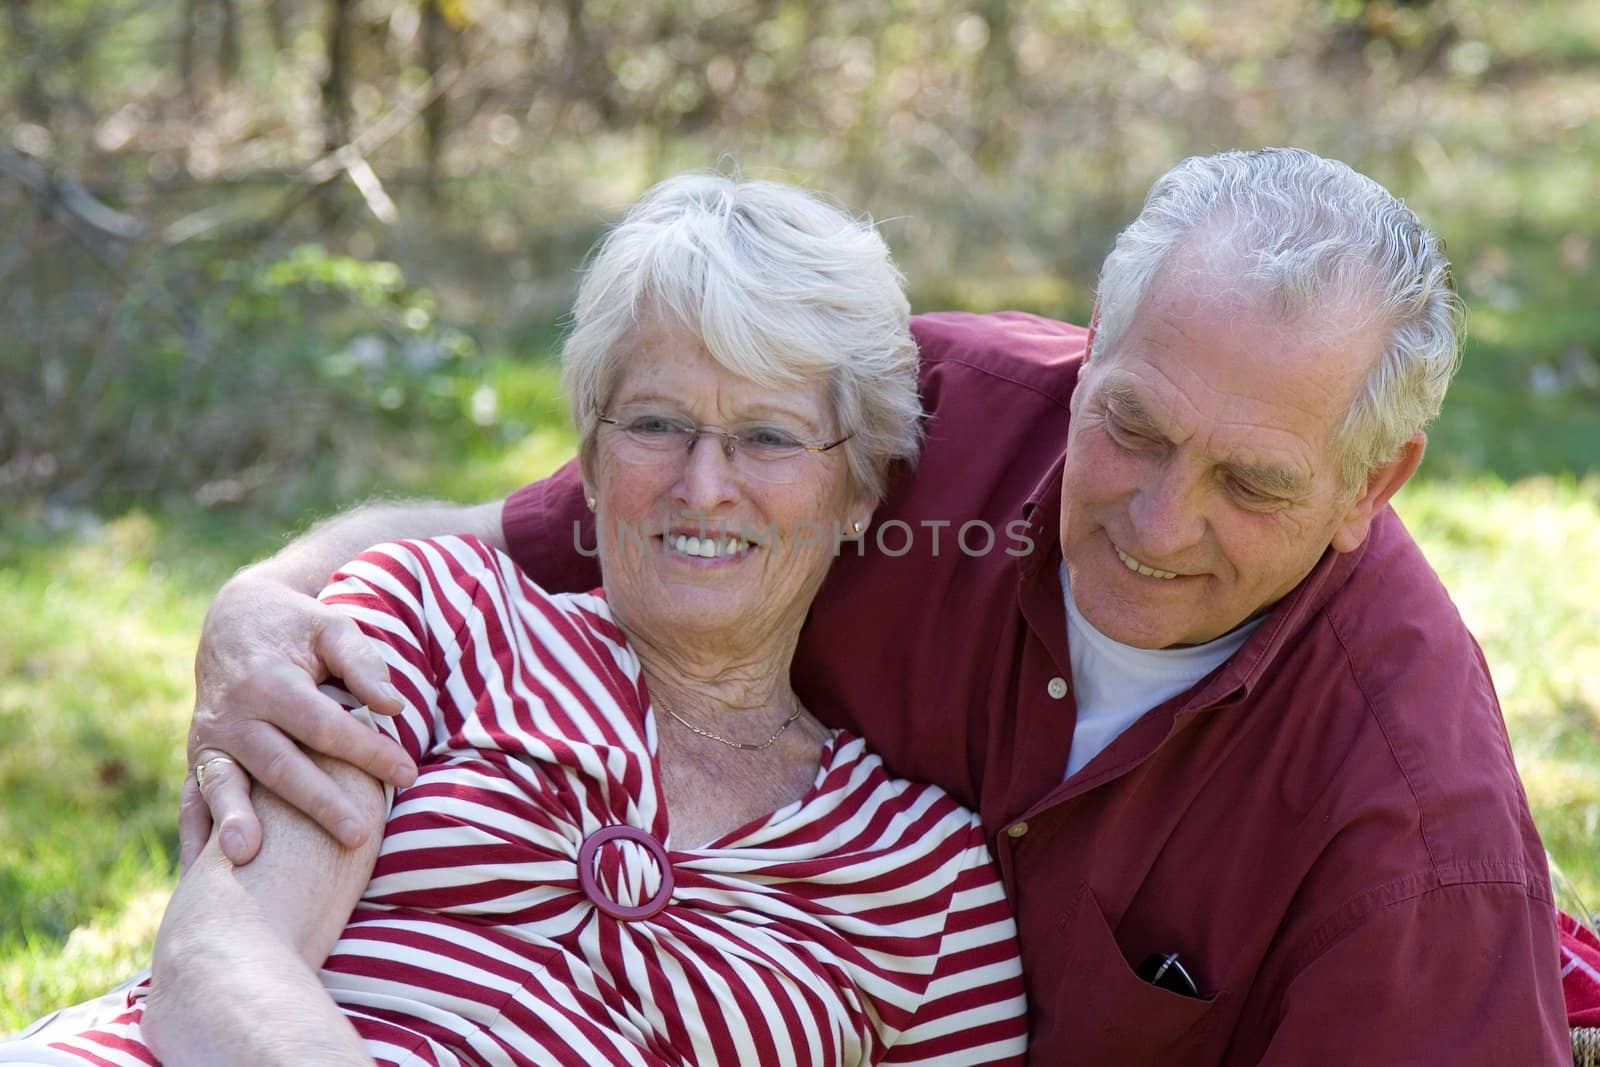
[
  {"x": 590, "y": 502},
  {"x": 857, "y": 526}
]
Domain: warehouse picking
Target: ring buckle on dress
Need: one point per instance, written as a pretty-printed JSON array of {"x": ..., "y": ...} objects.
[{"x": 591, "y": 886}]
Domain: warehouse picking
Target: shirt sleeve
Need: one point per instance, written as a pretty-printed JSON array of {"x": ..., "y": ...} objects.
[
  {"x": 974, "y": 1010},
  {"x": 550, "y": 533},
  {"x": 394, "y": 594},
  {"x": 1392, "y": 989}
]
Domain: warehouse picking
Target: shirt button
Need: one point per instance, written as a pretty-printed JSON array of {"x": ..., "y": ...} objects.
[
  {"x": 1057, "y": 688},
  {"x": 1016, "y": 829}
]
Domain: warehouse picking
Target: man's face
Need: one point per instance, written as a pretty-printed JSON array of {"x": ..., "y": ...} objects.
[{"x": 1201, "y": 481}]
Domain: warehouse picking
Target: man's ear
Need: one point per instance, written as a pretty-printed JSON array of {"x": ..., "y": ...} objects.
[{"x": 1382, "y": 484}]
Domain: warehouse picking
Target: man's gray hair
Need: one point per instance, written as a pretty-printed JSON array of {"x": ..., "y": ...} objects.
[
  {"x": 1312, "y": 231},
  {"x": 781, "y": 286}
]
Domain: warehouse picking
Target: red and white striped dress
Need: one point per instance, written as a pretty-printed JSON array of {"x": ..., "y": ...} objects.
[{"x": 861, "y": 924}]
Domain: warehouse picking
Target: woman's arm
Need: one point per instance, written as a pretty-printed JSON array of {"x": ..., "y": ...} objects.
[
  {"x": 265, "y": 645},
  {"x": 974, "y": 1010},
  {"x": 235, "y": 974}
]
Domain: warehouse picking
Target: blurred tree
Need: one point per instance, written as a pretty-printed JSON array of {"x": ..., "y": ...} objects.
[
  {"x": 336, "y": 107},
  {"x": 582, "y": 77},
  {"x": 208, "y": 47},
  {"x": 435, "y": 45},
  {"x": 996, "y": 89},
  {"x": 339, "y": 42},
  {"x": 277, "y": 19},
  {"x": 147, "y": 150},
  {"x": 28, "y": 53},
  {"x": 189, "y": 50},
  {"x": 228, "y": 38}
]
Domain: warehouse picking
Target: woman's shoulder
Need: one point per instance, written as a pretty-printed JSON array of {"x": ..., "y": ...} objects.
[
  {"x": 856, "y": 778},
  {"x": 465, "y": 567},
  {"x": 464, "y": 559},
  {"x": 450, "y": 556}
]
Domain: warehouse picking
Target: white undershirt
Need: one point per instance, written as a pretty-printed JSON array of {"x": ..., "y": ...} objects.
[{"x": 1115, "y": 684}]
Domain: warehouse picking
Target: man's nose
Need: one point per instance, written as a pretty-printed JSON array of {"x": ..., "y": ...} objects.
[{"x": 1167, "y": 515}]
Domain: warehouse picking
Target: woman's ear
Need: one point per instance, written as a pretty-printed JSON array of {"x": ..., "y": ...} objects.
[{"x": 858, "y": 518}]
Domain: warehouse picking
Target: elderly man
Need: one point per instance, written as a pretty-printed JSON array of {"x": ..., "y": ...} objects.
[{"x": 1143, "y": 605}]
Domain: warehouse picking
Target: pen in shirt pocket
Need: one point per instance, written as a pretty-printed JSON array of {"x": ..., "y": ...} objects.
[{"x": 1164, "y": 971}]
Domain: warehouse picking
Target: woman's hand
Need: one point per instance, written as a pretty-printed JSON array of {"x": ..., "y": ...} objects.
[{"x": 263, "y": 650}]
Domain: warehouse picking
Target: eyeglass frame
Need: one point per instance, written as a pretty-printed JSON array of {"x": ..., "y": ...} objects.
[{"x": 730, "y": 440}]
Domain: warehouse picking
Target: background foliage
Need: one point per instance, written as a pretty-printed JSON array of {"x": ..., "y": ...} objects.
[{"x": 260, "y": 258}]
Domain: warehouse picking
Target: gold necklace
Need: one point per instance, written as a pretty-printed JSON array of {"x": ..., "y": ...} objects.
[{"x": 740, "y": 745}]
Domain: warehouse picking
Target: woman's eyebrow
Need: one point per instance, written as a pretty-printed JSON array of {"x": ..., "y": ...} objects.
[
  {"x": 646, "y": 398},
  {"x": 759, "y": 410},
  {"x": 767, "y": 410}
]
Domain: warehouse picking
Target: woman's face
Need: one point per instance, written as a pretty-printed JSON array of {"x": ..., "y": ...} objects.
[{"x": 695, "y": 545}]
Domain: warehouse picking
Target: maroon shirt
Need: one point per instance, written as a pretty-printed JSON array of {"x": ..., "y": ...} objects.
[{"x": 1328, "y": 829}]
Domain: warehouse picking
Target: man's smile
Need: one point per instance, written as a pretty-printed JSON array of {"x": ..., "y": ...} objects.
[{"x": 1148, "y": 571}]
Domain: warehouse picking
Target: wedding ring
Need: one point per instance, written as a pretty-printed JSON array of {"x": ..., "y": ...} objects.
[{"x": 200, "y": 768}]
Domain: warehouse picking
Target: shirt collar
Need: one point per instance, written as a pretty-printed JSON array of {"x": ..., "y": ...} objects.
[
  {"x": 1042, "y": 510},
  {"x": 1284, "y": 620}
]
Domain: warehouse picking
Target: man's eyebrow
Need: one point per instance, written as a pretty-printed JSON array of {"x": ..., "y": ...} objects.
[
  {"x": 1270, "y": 478},
  {"x": 1126, "y": 404},
  {"x": 1265, "y": 477}
]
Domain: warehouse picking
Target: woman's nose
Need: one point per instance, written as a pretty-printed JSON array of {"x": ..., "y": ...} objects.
[{"x": 708, "y": 477}]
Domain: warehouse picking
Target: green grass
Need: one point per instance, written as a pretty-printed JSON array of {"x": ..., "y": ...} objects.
[
  {"x": 96, "y": 651},
  {"x": 93, "y": 707}
]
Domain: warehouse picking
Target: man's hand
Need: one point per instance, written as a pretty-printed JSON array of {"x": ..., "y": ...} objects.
[{"x": 263, "y": 650}]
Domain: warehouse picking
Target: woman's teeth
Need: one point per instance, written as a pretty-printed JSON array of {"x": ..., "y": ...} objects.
[{"x": 706, "y": 547}]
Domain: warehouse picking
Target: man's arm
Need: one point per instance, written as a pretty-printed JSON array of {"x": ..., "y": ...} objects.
[
  {"x": 235, "y": 973},
  {"x": 266, "y": 644},
  {"x": 1458, "y": 974}
]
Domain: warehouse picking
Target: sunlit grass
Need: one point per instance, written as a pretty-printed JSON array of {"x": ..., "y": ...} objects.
[
  {"x": 96, "y": 650},
  {"x": 95, "y": 693},
  {"x": 93, "y": 706}
]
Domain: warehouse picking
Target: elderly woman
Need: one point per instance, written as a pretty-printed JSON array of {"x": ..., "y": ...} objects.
[{"x": 629, "y": 842}]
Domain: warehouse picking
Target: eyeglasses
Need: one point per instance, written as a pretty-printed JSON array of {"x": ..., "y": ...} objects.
[{"x": 764, "y": 445}]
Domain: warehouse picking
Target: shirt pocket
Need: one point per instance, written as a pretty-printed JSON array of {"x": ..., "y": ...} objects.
[{"x": 1114, "y": 1016}]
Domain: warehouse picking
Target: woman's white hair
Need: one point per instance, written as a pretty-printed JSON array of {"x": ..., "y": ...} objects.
[
  {"x": 780, "y": 285},
  {"x": 1312, "y": 232}
]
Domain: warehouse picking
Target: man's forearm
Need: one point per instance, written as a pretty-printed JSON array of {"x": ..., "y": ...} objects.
[{"x": 306, "y": 562}]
